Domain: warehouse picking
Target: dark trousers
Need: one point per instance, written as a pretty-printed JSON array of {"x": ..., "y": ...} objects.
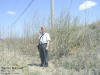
[{"x": 43, "y": 54}]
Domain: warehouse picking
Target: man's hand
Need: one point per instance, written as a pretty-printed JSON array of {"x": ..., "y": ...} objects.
[{"x": 47, "y": 48}]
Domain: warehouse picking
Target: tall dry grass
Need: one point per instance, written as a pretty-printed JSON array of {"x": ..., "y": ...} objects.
[{"x": 73, "y": 46}]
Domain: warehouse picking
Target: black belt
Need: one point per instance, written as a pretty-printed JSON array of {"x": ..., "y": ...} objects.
[{"x": 43, "y": 44}]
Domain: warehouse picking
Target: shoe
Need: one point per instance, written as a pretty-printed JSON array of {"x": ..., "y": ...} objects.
[
  {"x": 46, "y": 65},
  {"x": 41, "y": 65}
]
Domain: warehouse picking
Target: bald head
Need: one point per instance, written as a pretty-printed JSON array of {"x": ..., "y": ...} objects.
[{"x": 43, "y": 29}]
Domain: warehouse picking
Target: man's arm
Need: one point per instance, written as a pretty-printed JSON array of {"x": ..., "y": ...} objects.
[
  {"x": 47, "y": 46},
  {"x": 48, "y": 38}
]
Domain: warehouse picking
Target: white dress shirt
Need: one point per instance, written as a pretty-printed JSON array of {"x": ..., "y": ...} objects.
[{"x": 45, "y": 38}]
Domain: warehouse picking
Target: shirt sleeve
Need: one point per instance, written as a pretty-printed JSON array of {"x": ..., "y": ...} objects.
[{"x": 48, "y": 37}]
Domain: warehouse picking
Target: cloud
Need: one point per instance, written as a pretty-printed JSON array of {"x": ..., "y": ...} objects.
[
  {"x": 11, "y": 12},
  {"x": 87, "y": 4}
]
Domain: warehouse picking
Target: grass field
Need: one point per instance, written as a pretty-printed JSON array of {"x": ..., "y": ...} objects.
[{"x": 74, "y": 50}]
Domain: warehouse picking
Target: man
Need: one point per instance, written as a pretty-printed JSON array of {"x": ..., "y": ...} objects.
[{"x": 43, "y": 46}]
